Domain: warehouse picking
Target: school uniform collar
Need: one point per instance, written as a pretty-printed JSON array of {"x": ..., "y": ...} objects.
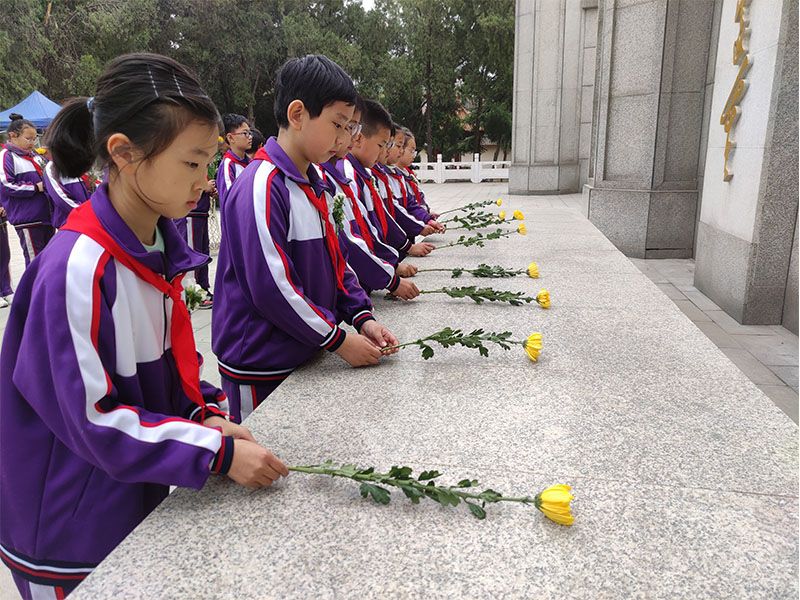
[
  {"x": 243, "y": 160},
  {"x": 18, "y": 151},
  {"x": 330, "y": 168},
  {"x": 281, "y": 160},
  {"x": 178, "y": 257},
  {"x": 381, "y": 167},
  {"x": 359, "y": 168}
]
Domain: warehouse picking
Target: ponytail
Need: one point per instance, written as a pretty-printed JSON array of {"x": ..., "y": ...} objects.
[{"x": 70, "y": 139}]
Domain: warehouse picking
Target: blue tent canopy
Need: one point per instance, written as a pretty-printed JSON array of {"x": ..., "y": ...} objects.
[{"x": 36, "y": 108}]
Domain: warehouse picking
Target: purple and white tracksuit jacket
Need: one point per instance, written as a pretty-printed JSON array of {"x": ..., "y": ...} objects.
[
  {"x": 230, "y": 167},
  {"x": 28, "y": 209},
  {"x": 375, "y": 268},
  {"x": 408, "y": 217},
  {"x": 404, "y": 194},
  {"x": 95, "y": 426},
  {"x": 65, "y": 194},
  {"x": 276, "y": 301},
  {"x": 395, "y": 237}
]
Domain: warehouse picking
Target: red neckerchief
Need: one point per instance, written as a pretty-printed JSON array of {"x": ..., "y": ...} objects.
[
  {"x": 398, "y": 177},
  {"x": 377, "y": 204},
  {"x": 412, "y": 181},
  {"x": 362, "y": 224},
  {"x": 331, "y": 239},
  {"x": 236, "y": 159},
  {"x": 84, "y": 220},
  {"x": 385, "y": 180}
]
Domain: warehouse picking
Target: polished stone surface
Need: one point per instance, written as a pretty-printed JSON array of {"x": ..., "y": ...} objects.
[{"x": 684, "y": 472}]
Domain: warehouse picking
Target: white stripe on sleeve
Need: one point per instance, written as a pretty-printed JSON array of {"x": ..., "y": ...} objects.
[
  {"x": 81, "y": 266},
  {"x": 296, "y": 302}
]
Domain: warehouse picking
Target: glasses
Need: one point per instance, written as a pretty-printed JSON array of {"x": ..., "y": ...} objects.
[
  {"x": 353, "y": 129},
  {"x": 247, "y": 133},
  {"x": 390, "y": 144}
]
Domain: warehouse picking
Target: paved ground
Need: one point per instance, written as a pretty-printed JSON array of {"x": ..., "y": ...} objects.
[{"x": 766, "y": 355}]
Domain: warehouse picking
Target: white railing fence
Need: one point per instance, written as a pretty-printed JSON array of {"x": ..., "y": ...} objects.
[{"x": 475, "y": 171}]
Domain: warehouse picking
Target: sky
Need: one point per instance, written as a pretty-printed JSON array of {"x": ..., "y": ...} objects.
[{"x": 367, "y": 4}]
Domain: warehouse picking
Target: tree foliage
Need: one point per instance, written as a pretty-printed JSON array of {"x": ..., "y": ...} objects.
[{"x": 442, "y": 67}]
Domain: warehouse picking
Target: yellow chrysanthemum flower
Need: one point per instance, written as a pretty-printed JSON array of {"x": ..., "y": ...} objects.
[
  {"x": 554, "y": 503},
  {"x": 543, "y": 298},
  {"x": 501, "y": 215},
  {"x": 41, "y": 150},
  {"x": 220, "y": 139},
  {"x": 533, "y": 270},
  {"x": 518, "y": 215},
  {"x": 533, "y": 346},
  {"x": 522, "y": 230},
  {"x": 499, "y": 202}
]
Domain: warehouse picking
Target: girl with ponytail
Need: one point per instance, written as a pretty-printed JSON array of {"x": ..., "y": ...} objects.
[
  {"x": 102, "y": 404},
  {"x": 22, "y": 189}
]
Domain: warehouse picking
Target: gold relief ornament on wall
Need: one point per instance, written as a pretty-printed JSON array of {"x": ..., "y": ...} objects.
[{"x": 732, "y": 111}]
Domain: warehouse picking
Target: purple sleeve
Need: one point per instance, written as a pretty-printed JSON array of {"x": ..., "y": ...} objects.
[
  {"x": 396, "y": 236},
  {"x": 224, "y": 180},
  {"x": 265, "y": 271},
  {"x": 13, "y": 186},
  {"x": 354, "y": 307},
  {"x": 374, "y": 272},
  {"x": 407, "y": 221},
  {"x": 65, "y": 370},
  {"x": 414, "y": 207}
]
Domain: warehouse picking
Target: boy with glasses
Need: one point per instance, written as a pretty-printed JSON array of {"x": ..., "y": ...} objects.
[
  {"x": 283, "y": 284},
  {"x": 239, "y": 139},
  {"x": 374, "y": 262}
]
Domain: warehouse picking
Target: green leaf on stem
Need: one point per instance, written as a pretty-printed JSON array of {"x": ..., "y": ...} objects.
[{"x": 379, "y": 494}]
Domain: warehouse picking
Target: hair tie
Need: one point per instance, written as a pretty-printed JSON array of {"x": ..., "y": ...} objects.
[{"x": 90, "y": 104}]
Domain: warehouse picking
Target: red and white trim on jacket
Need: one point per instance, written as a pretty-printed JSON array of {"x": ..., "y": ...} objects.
[
  {"x": 277, "y": 261},
  {"x": 6, "y": 177},
  {"x": 58, "y": 185},
  {"x": 40, "y": 571},
  {"x": 85, "y": 267}
]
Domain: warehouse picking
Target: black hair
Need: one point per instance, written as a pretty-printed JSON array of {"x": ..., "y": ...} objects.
[
  {"x": 374, "y": 117},
  {"x": 315, "y": 80},
  {"x": 18, "y": 123},
  {"x": 258, "y": 140},
  {"x": 360, "y": 106},
  {"x": 148, "y": 97},
  {"x": 406, "y": 132},
  {"x": 231, "y": 122}
]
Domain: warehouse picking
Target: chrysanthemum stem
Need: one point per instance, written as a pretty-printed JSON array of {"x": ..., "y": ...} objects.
[
  {"x": 471, "y": 241},
  {"x": 385, "y": 479}
]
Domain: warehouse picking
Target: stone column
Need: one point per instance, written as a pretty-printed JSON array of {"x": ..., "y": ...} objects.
[
  {"x": 547, "y": 57},
  {"x": 650, "y": 87},
  {"x": 746, "y": 239}
]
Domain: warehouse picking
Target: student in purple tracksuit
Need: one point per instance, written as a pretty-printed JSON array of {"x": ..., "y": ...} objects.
[
  {"x": 22, "y": 189},
  {"x": 368, "y": 147},
  {"x": 403, "y": 194},
  {"x": 415, "y": 193},
  {"x": 412, "y": 218},
  {"x": 65, "y": 193},
  {"x": 239, "y": 139},
  {"x": 102, "y": 404},
  {"x": 358, "y": 237},
  {"x": 197, "y": 237},
  {"x": 283, "y": 284}
]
